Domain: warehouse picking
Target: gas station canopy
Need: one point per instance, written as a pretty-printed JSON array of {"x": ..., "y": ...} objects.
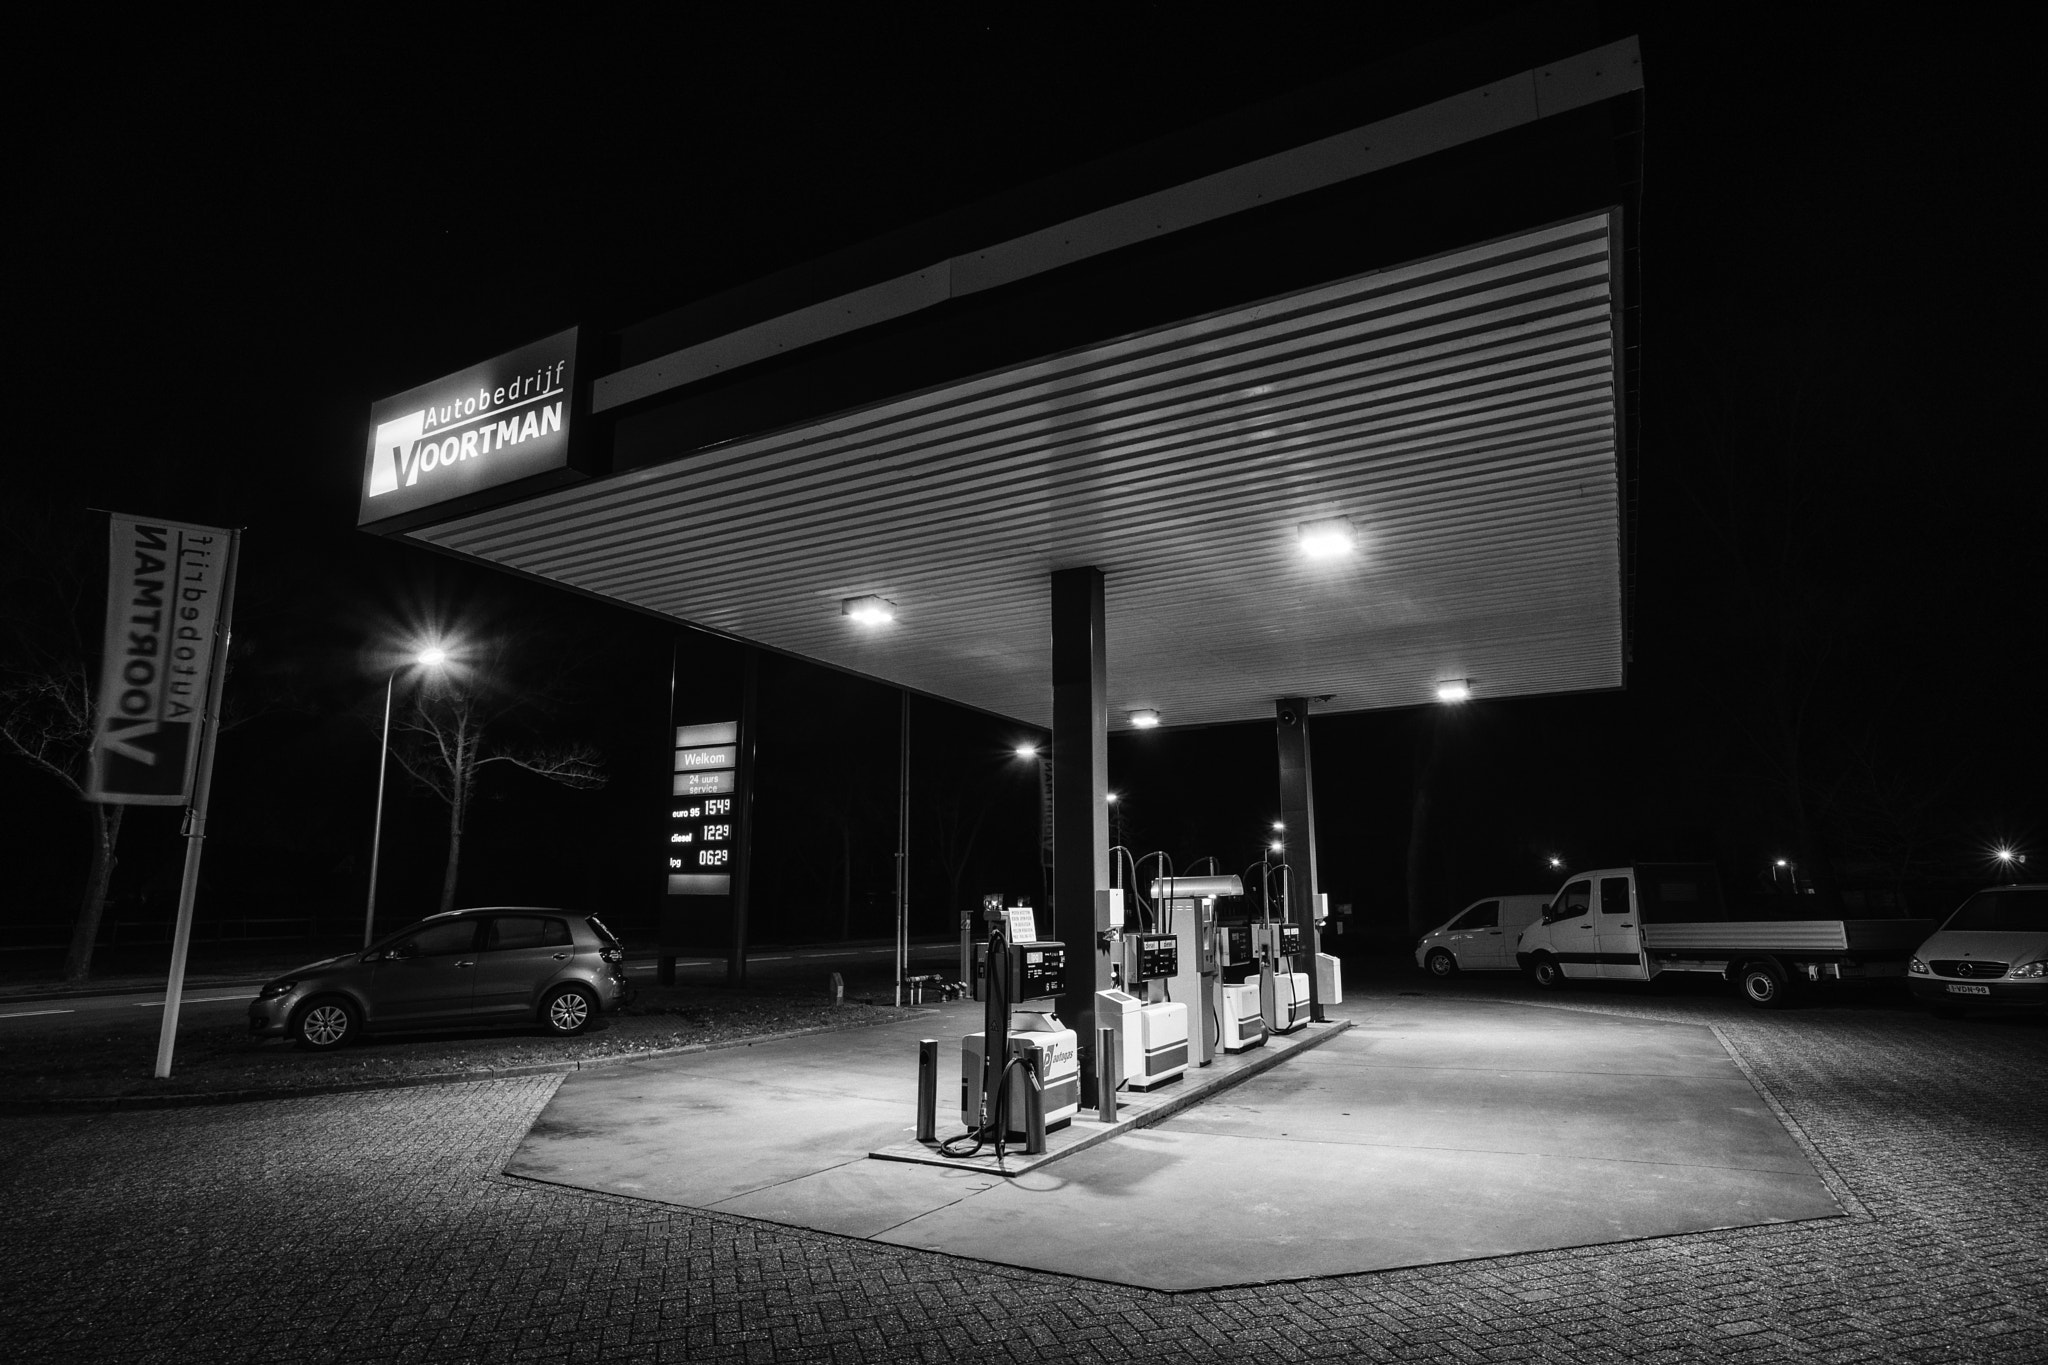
[{"x": 1414, "y": 330}]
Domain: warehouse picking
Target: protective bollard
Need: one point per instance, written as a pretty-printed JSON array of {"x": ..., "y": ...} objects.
[
  {"x": 1034, "y": 1108},
  {"x": 927, "y": 1089},
  {"x": 1105, "y": 1074}
]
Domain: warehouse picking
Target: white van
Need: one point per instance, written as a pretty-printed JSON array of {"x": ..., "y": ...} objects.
[
  {"x": 1991, "y": 954},
  {"x": 1479, "y": 938}
]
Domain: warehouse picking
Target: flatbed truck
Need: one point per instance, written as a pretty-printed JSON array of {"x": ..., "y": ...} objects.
[{"x": 1640, "y": 922}]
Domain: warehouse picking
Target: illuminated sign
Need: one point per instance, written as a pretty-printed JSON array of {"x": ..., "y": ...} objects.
[
  {"x": 504, "y": 421},
  {"x": 703, "y": 811}
]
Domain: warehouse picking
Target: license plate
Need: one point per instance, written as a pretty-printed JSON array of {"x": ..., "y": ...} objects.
[{"x": 1969, "y": 990}]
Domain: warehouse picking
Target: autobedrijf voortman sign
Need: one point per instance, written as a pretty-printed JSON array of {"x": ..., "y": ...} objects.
[{"x": 501, "y": 422}]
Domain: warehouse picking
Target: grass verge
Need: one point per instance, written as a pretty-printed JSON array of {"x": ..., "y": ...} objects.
[{"x": 113, "y": 1053}]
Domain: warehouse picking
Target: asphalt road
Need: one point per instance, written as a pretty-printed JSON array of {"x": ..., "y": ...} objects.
[{"x": 225, "y": 1000}]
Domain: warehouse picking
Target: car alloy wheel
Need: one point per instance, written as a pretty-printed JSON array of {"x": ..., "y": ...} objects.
[
  {"x": 566, "y": 1012},
  {"x": 325, "y": 1024},
  {"x": 1442, "y": 965}
]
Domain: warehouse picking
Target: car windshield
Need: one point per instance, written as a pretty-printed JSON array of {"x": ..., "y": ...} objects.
[{"x": 2018, "y": 909}]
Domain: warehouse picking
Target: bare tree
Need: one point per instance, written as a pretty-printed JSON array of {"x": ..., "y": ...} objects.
[
  {"x": 46, "y": 703},
  {"x": 46, "y": 719},
  {"x": 449, "y": 735}
]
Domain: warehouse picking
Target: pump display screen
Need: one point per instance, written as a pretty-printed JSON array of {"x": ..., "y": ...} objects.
[
  {"x": 1041, "y": 969},
  {"x": 1236, "y": 942},
  {"x": 1290, "y": 939},
  {"x": 1158, "y": 956}
]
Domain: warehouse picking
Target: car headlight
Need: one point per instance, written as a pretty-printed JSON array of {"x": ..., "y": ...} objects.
[
  {"x": 275, "y": 989},
  {"x": 1918, "y": 967},
  {"x": 2031, "y": 970}
]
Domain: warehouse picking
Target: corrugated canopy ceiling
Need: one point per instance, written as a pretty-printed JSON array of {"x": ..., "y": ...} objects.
[{"x": 1459, "y": 410}]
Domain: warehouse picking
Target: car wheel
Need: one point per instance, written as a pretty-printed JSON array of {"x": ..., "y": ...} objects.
[
  {"x": 325, "y": 1024},
  {"x": 567, "y": 1012},
  {"x": 1441, "y": 965},
  {"x": 1547, "y": 973},
  {"x": 1765, "y": 986}
]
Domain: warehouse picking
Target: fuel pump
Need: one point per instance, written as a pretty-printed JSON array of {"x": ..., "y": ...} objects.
[
  {"x": 1283, "y": 991},
  {"x": 1195, "y": 905}
]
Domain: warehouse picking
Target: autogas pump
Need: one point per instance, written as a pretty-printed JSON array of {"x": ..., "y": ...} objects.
[{"x": 1023, "y": 1046}]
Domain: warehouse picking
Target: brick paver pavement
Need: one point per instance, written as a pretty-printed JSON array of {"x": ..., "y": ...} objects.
[{"x": 375, "y": 1227}]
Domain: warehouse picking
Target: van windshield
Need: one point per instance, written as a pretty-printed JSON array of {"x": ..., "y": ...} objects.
[{"x": 2021, "y": 909}]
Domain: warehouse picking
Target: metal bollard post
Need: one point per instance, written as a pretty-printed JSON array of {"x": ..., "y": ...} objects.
[
  {"x": 927, "y": 1090},
  {"x": 1034, "y": 1106},
  {"x": 838, "y": 989},
  {"x": 1105, "y": 1074}
]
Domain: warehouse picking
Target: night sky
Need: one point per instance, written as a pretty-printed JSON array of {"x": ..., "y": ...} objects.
[{"x": 234, "y": 235}]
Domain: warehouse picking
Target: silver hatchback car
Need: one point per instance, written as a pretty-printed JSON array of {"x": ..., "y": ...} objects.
[{"x": 501, "y": 964}]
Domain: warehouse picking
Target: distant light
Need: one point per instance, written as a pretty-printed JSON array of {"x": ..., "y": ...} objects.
[
  {"x": 1027, "y": 751},
  {"x": 1144, "y": 718},
  {"x": 1331, "y": 538},
  {"x": 1277, "y": 846},
  {"x": 1454, "y": 689},
  {"x": 433, "y": 657},
  {"x": 869, "y": 611},
  {"x": 1782, "y": 863},
  {"x": 1277, "y": 827},
  {"x": 1112, "y": 798},
  {"x": 1556, "y": 862}
]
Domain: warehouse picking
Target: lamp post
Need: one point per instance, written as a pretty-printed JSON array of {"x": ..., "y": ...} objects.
[{"x": 431, "y": 658}]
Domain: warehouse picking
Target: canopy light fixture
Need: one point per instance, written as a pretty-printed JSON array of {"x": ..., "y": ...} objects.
[
  {"x": 869, "y": 611},
  {"x": 1330, "y": 538},
  {"x": 1112, "y": 798},
  {"x": 1144, "y": 718},
  {"x": 433, "y": 656},
  {"x": 1454, "y": 689},
  {"x": 1027, "y": 751}
]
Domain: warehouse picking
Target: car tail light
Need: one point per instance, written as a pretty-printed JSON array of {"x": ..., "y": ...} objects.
[{"x": 613, "y": 955}]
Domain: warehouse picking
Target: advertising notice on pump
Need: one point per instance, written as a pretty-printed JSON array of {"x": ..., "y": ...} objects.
[{"x": 165, "y": 585}]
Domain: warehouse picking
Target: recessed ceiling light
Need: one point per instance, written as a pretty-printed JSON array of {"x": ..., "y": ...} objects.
[
  {"x": 1330, "y": 538},
  {"x": 1145, "y": 718},
  {"x": 869, "y": 611},
  {"x": 1454, "y": 689}
]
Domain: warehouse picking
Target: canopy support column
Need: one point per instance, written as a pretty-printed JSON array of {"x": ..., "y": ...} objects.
[
  {"x": 1080, "y": 801},
  {"x": 1298, "y": 814}
]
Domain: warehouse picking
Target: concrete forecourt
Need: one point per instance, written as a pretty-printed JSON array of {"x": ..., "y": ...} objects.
[{"x": 1459, "y": 1174}]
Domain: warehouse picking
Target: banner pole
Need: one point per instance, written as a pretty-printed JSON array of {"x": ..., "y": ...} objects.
[{"x": 195, "y": 814}]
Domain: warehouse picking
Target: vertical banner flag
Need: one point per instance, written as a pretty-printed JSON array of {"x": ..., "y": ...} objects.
[{"x": 165, "y": 586}]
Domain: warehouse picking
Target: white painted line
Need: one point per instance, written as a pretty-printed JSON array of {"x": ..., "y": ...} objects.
[
  {"x": 30, "y": 1014},
  {"x": 190, "y": 1000}
]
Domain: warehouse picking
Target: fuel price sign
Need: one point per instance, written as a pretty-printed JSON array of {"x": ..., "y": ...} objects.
[{"x": 703, "y": 817}]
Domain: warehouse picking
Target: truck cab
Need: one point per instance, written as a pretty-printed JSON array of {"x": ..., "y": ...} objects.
[{"x": 1589, "y": 931}]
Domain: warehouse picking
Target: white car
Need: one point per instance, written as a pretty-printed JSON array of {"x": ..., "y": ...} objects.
[
  {"x": 1479, "y": 938},
  {"x": 1991, "y": 954}
]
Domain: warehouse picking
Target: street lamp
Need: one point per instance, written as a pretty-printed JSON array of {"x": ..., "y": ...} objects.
[{"x": 431, "y": 657}]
